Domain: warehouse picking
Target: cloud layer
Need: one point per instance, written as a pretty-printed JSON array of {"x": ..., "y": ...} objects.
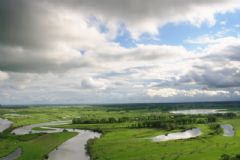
[{"x": 65, "y": 52}]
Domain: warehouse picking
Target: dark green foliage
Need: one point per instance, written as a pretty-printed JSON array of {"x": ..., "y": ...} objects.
[
  {"x": 103, "y": 120},
  {"x": 171, "y": 122},
  {"x": 88, "y": 148},
  {"x": 228, "y": 157},
  {"x": 45, "y": 156},
  {"x": 211, "y": 118},
  {"x": 160, "y": 121},
  {"x": 216, "y": 129},
  {"x": 225, "y": 157},
  {"x": 229, "y": 115},
  {"x": 28, "y": 137}
]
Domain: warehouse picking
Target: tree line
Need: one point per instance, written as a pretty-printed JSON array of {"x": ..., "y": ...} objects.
[
  {"x": 102, "y": 120},
  {"x": 161, "y": 121}
]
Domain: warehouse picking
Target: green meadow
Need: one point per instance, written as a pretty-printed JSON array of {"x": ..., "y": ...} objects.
[{"x": 126, "y": 131}]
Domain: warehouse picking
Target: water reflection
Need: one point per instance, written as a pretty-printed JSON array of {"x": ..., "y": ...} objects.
[
  {"x": 4, "y": 124},
  {"x": 228, "y": 130},
  {"x": 28, "y": 129},
  {"x": 179, "y": 135},
  {"x": 74, "y": 148},
  {"x": 198, "y": 111}
]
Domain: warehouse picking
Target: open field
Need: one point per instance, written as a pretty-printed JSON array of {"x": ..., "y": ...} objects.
[
  {"x": 34, "y": 146},
  {"x": 127, "y": 131},
  {"x": 37, "y": 148}
]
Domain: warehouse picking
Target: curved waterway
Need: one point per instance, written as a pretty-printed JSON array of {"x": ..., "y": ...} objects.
[
  {"x": 4, "y": 124},
  {"x": 72, "y": 149},
  {"x": 14, "y": 155},
  {"x": 228, "y": 130},
  {"x": 195, "y": 132},
  {"x": 29, "y": 128}
]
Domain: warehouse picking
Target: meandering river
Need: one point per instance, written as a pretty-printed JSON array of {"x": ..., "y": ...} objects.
[
  {"x": 29, "y": 128},
  {"x": 72, "y": 149}
]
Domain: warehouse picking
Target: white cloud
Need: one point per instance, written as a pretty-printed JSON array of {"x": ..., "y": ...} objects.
[
  {"x": 170, "y": 92},
  {"x": 165, "y": 92},
  {"x": 237, "y": 93},
  {"x": 3, "y": 76},
  {"x": 217, "y": 65},
  {"x": 54, "y": 51},
  {"x": 90, "y": 83},
  {"x": 146, "y": 16}
]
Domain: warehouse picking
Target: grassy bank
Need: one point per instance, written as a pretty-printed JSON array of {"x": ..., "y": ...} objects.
[{"x": 39, "y": 147}]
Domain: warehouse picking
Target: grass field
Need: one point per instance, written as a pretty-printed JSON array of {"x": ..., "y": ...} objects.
[
  {"x": 34, "y": 146},
  {"x": 120, "y": 140},
  {"x": 42, "y": 145},
  {"x": 135, "y": 144},
  {"x": 7, "y": 145},
  {"x": 132, "y": 144}
]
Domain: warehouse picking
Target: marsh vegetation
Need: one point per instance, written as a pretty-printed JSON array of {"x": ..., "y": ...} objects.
[{"x": 127, "y": 131}]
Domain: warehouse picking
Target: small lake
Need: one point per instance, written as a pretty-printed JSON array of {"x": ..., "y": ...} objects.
[
  {"x": 4, "y": 124},
  {"x": 198, "y": 111},
  {"x": 195, "y": 132},
  {"x": 228, "y": 130}
]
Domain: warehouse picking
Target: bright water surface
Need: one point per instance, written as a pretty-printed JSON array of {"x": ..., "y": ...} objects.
[
  {"x": 198, "y": 111},
  {"x": 178, "y": 135},
  {"x": 228, "y": 130},
  {"x": 4, "y": 124}
]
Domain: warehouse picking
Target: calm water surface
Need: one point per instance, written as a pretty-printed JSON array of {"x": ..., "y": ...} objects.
[
  {"x": 4, "y": 124},
  {"x": 198, "y": 111},
  {"x": 228, "y": 130},
  {"x": 28, "y": 129},
  {"x": 178, "y": 135},
  {"x": 72, "y": 149}
]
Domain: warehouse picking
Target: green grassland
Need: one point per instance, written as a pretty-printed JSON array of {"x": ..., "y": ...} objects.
[
  {"x": 135, "y": 144},
  {"x": 132, "y": 144},
  {"x": 34, "y": 146},
  {"x": 7, "y": 145},
  {"x": 42, "y": 145},
  {"x": 32, "y": 115},
  {"x": 120, "y": 140}
]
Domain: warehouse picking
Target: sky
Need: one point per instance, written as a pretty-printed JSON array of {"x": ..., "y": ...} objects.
[{"x": 119, "y": 51}]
